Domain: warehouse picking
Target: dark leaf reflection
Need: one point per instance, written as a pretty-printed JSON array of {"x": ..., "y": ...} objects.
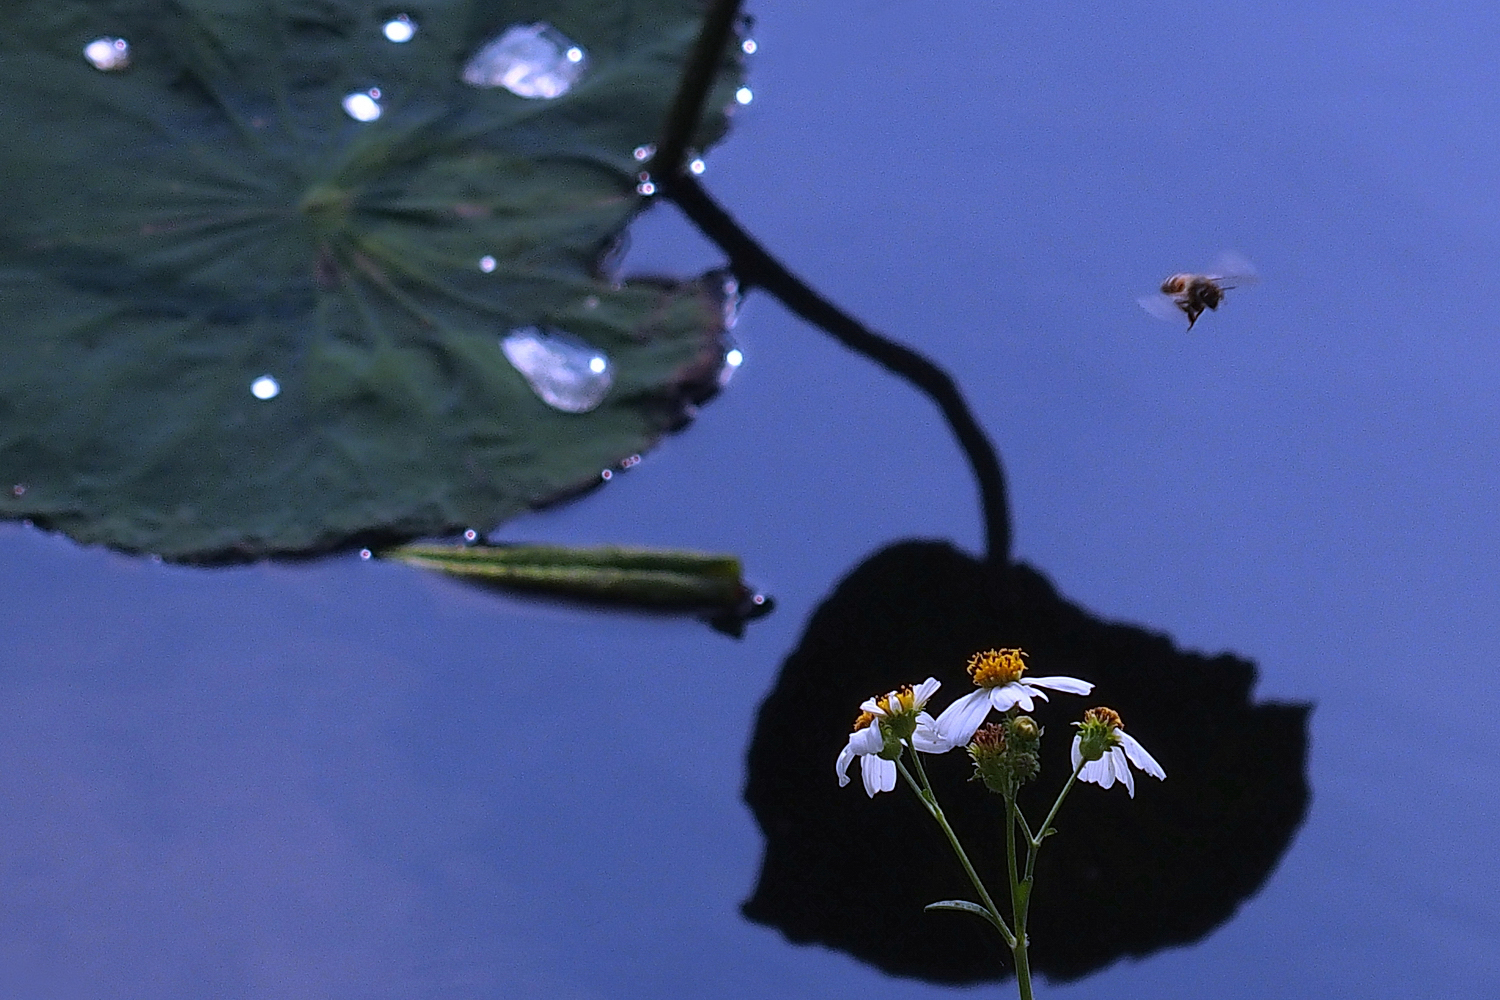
[{"x": 1121, "y": 878}]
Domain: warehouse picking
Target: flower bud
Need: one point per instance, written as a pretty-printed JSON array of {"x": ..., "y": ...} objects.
[{"x": 1005, "y": 755}]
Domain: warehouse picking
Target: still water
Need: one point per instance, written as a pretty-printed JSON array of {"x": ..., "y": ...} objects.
[{"x": 351, "y": 779}]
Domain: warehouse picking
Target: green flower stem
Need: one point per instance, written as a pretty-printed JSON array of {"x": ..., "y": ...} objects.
[
  {"x": 1020, "y": 896},
  {"x": 1041, "y": 834},
  {"x": 1034, "y": 842},
  {"x": 925, "y": 793}
]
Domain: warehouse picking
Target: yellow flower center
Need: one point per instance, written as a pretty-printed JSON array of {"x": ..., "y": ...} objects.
[
  {"x": 903, "y": 703},
  {"x": 1106, "y": 717},
  {"x": 996, "y": 667},
  {"x": 865, "y": 718}
]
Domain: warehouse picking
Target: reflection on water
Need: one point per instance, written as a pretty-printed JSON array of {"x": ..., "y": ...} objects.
[{"x": 1121, "y": 878}]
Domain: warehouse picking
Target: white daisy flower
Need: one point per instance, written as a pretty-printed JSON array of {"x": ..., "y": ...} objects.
[
  {"x": 885, "y": 725},
  {"x": 1110, "y": 750},
  {"x": 997, "y": 672}
]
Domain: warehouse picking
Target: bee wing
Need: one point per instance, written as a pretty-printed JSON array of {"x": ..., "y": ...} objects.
[
  {"x": 1162, "y": 307},
  {"x": 1231, "y": 270}
]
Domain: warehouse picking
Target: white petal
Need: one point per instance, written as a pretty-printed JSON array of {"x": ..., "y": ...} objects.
[
  {"x": 925, "y": 691},
  {"x": 1099, "y": 772},
  {"x": 1122, "y": 769},
  {"x": 926, "y": 738},
  {"x": 879, "y": 774},
  {"x": 1077, "y": 752},
  {"x": 867, "y": 740},
  {"x": 1071, "y": 685},
  {"x": 1007, "y": 695},
  {"x": 846, "y": 756},
  {"x": 872, "y": 706},
  {"x": 956, "y": 725},
  {"x": 1138, "y": 755}
]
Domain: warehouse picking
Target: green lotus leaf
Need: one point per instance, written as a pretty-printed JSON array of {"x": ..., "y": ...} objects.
[{"x": 237, "y": 321}]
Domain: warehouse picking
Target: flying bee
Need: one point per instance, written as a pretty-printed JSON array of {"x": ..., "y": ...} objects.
[{"x": 1190, "y": 294}]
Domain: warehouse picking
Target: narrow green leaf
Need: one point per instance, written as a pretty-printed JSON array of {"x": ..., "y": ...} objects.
[
  {"x": 656, "y": 579},
  {"x": 964, "y": 906}
]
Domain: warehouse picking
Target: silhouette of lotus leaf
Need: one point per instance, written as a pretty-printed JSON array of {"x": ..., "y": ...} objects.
[{"x": 1121, "y": 877}]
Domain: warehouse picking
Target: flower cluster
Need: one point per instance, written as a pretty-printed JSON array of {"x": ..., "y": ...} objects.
[{"x": 1004, "y": 754}]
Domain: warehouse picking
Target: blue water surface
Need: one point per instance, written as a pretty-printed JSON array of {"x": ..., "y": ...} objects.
[{"x": 352, "y": 779}]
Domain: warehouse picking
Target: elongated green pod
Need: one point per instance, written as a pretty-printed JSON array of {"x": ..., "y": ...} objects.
[{"x": 648, "y": 579}]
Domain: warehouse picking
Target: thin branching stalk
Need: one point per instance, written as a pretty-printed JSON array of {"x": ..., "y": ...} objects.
[{"x": 755, "y": 267}]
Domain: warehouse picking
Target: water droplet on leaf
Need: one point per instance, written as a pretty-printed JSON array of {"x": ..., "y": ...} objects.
[
  {"x": 744, "y": 95},
  {"x": 399, "y": 29},
  {"x": 487, "y": 264},
  {"x": 265, "y": 387},
  {"x": 697, "y": 166},
  {"x": 471, "y": 535},
  {"x": 644, "y": 153},
  {"x": 363, "y": 105},
  {"x": 108, "y": 54},
  {"x": 534, "y": 61},
  {"x": 563, "y": 371},
  {"x": 733, "y": 358}
]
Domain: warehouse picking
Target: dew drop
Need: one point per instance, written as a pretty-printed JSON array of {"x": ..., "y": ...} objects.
[
  {"x": 531, "y": 61},
  {"x": 606, "y": 475},
  {"x": 487, "y": 264},
  {"x": 592, "y": 302},
  {"x": 156, "y": 558},
  {"x": 471, "y": 535},
  {"x": 631, "y": 462},
  {"x": 399, "y": 29},
  {"x": 733, "y": 358},
  {"x": 697, "y": 166},
  {"x": 744, "y": 95},
  {"x": 108, "y": 54},
  {"x": 363, "y": 105},
  {"x": 646, "y": 188},
  {"x": 365, "y": 553},
  {"x": 265, "y": 387},
  {"x": 732, "y": 301},
  {"x": 18, "y": 490},
  {"x": 748, "y": 46},
  {"x": 563, "y": 371},
  {"x": 644, "y": 153}
]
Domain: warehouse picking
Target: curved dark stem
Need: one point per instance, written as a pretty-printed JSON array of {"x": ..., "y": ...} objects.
[
  {"x": 755, "y": 267},
  {"x": 697, "y": 80}
]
